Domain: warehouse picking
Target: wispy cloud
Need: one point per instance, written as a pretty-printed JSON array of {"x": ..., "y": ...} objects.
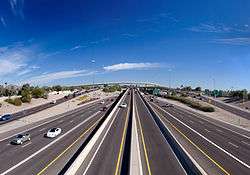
[
  {"x": 17, "y": 7},
  {"x": 233, "y": 41},
  {"x": 100, "y": 41},
  {"x": 77, "y": 47},
  {"x": 3, "y": 21},
  {"x": 219, "y": 28},
  {"x": 27, "y": 70},
  {"x": 46, "y": 55},
  {"x": 131, "y": 66},
  {"x": 48, "y": 77},
  {"x": 14, "y": 59},
  {"x": 128, "y": 35}
]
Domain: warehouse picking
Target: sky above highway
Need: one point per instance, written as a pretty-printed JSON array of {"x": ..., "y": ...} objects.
[{"x": 170, "y": 42}]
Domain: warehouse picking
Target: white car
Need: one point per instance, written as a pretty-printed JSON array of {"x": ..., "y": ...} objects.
[
  {"x": 53, "y": 102},
  {"x": 123, "y": 105},
  {"x": 102, "y": 102},
  {"x": 53, "y": 132}
]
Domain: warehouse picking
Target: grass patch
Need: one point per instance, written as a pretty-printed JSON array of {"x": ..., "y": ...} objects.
[
  {"x": 83, "y": 98},
  {"x": 193, "y": 104},
  {"x": 15, "y": 101}
]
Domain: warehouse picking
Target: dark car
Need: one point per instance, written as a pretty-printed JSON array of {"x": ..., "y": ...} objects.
[
  {"x": 5, "y": 117},
  {"x": 104, "y": 108}
]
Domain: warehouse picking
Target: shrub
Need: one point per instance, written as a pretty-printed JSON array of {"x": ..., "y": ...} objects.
[
  {"x": 38, "y": 92},
  {"x": 16, "y": 101},
  {"x": 191, "y": 103},
  {"x": 26, "y": 96}
]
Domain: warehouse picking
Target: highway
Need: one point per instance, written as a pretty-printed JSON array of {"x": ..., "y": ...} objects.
[
  {"x": 158, "y": 157},
  {"x": 40, "y": 155},
  {"x": 224, "y": 151},
  {"x": 106, "y": 159},
  {"x": 201, "y": 144}
]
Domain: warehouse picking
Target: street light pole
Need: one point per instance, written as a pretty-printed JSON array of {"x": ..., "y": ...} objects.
[{"x": 93, "y": 75}]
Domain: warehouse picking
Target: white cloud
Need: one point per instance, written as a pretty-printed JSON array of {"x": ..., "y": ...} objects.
[
  {"x": 77, "y": 47},
  {"x": 14, "y": 60},
  {"x": 27, "y": 70},
  {"x": 218, "y": 28},
  {"x": 17, "y": 7},
  {"x": 233, "y": 41},
  {"x": 131, "y": 66},
  {"x": 3, "y": 21},
  {"x": 23, "y": 72},
  {"x": 48, "y": 77}
]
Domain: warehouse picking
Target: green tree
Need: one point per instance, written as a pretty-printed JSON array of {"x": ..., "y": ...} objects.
[
  {"x": 197, "y": 89},
  {"x": 26, "y": 96},
  {"x": 57, "y": 88},
  {"x": 38, "y": 92}
]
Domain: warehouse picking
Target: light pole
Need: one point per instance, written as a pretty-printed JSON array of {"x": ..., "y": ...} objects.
[{"x": 93, "y": 75}]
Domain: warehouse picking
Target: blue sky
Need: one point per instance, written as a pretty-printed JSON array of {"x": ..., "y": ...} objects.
[{"x": 47, "y": 42}]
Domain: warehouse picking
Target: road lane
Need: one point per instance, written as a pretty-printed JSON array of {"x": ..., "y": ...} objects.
[
  {"x": 218, "y": 159},
  {"x": 106, "y": 160},
  {"x": 11, "y": 155},
  {"x": 158, "y": 155}
]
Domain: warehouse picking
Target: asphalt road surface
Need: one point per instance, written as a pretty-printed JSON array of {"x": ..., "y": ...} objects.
[
  {"x": 227, "y": 150},
  {"x": 45, "y": 155}
]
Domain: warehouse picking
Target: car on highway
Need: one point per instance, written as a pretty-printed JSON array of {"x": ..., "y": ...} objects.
[
  {"x": 5, "y": 117},
  {"x": 53, "y": 102},
  {"x": 20, "y": 139},
  {"x": 123, "y": 105},
  {"x": 104, "y": 108},
  {"x": 168, "y": 105},
  {"x": 53, "y": 132}
]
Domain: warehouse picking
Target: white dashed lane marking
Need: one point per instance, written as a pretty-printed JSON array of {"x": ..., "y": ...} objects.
[{"x": 236, "y": 146}]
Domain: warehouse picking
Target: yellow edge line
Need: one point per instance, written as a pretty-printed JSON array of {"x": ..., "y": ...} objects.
[
  {"x": 197, "y": 147},
  {"x": 122, "y": 144},
  {"x": 55, "y": 159},
  {"x": 143, "y": 142}
]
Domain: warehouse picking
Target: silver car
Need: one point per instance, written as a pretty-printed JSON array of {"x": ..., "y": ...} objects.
[{"x": 20, "y": 139}]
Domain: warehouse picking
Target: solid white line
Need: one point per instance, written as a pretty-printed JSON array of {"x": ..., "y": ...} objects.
[
  {"x": 51, "y": 143},
  {"x": 26, "y": 144},
  {"x": 236, "y": 146},
  {"x": 223, "y": 150},
  {"x": 42, "y": 129}
]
